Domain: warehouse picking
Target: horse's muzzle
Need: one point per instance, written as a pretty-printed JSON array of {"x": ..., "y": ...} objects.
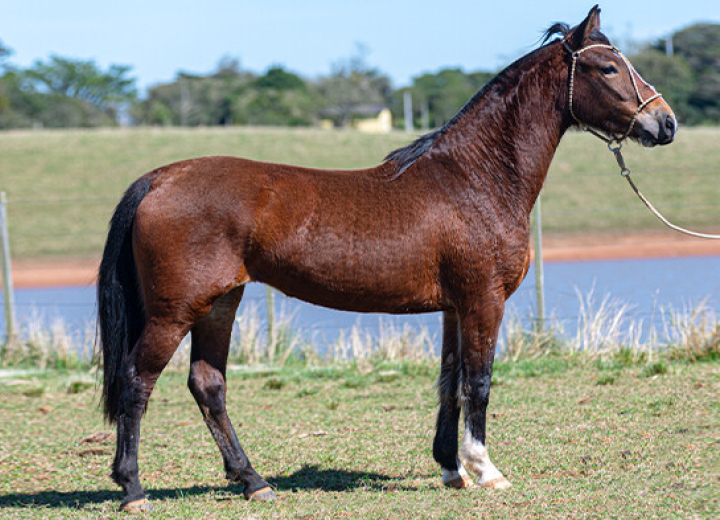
[{"x": 657, "y": 128}]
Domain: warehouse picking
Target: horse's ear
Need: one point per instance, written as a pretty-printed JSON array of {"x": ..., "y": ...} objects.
[{"x": 576, "y": 38}]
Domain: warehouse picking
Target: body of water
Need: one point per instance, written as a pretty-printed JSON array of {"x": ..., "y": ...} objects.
[{"x": 646, "y": 286}]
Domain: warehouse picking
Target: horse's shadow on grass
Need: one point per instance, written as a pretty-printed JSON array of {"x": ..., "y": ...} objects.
[
  {"x": 306, "y": 478},
  {"x": 311, "y": 477}
]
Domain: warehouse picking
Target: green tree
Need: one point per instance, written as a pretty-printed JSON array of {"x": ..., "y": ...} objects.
[
  {"x": 5, "y": 53},
  {"x": 10, "y": 92},
  {"x": 352, "y": 84},
  {"x": 690, "y": 79},
  {"x": 62, "y": 93},
  {"x": 279, "y": 98},
  {"x": 671, "y": 75},
  {"x": 443, "y": 93},
  {"x": 83, "y": 80},
  {"x": 699, "y": 46},
  {"x": 278, "y": 78},
  {"x": 193, "y": 100},
  {"x": 16, "y": 106}
]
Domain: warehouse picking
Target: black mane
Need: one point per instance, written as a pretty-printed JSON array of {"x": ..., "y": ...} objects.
[
  {"x": 558, "y": 28},
  {"x": 563, "y": 29},
  {"x": 405, "y": 156}
]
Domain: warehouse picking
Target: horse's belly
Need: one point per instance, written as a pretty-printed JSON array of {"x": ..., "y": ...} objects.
[
  {"x": 362, "y": 300},
  {"x": 357, "y": 288}
]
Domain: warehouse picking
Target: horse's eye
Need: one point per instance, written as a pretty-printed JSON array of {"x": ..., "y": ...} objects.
[{"x": 609, "y": 70}]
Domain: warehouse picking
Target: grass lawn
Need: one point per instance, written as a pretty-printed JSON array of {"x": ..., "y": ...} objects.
[
  {"x": 63, "y": 185},
  {"x": 576, "y": 440}
]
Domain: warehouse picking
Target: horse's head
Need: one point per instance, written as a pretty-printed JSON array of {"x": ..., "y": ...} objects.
[{"x": 606, "y": 93}]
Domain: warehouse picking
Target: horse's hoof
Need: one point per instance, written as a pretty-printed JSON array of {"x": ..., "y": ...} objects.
[
  {"x": 458, "y": 482},
  {"x": 497, "y": 483},
  {"x": 263, "y": 494},
  {"x": 136, "y": 506},
  {"x": 457, "y": 479}
]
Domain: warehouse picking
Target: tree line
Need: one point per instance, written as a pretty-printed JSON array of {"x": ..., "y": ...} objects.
[{"x": 66, "y": 92}]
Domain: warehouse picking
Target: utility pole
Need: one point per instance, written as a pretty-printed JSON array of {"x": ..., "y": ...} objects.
[
  {"x": 669, "y": 49},
  {"x": 425, "y": 111},
  {"x": 184, "y": 102},
  {"x": 407, "y": 104}
]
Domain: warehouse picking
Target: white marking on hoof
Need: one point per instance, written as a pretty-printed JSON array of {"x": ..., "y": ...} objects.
[
  {"x": 263, "y": 494},
  {"x": 137, "y": 506},
  {"x": 457, "y": 479},
  {"x": 498, "y": 483},
  {"x": 475, "y": 458}
]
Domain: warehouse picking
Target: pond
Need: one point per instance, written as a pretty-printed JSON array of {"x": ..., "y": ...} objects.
[{"x": 646, "y": 287}]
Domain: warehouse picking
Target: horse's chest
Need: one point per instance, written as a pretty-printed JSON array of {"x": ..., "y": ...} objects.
[
  {"x": 493, "y": 264},
  {"x": 517, "y": 274}
]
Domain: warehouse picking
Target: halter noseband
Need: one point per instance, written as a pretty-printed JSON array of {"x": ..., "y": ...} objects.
[{"x": 642, "y": 103}]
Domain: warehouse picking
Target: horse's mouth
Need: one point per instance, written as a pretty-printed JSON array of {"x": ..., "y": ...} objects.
[
  {"x": 657, "y": 130},
  {"x": 648, "y": 140}
]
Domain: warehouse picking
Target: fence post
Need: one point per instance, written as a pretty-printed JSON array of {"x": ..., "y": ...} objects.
[
  {"x": 539, "y": 274},
  {"x": 271, "y": 328},
  {"x": 6, "y": 271}
]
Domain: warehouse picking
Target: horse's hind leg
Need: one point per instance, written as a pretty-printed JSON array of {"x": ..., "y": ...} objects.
[
  {"x": 156, "y": 345},
  {"x": 210, "y": 344},
  {"x": 445, "y": 446}
]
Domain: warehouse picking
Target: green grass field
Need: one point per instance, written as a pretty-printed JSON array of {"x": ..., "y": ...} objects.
[
  {"x": 577, "y": 440},
  {"x": 63, "y": 185}
]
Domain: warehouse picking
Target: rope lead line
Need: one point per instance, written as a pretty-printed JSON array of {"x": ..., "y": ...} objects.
[{"x": 625, "y": 172}]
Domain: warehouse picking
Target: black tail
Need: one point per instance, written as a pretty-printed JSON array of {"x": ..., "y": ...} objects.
[{"x": 121, "y": 316}]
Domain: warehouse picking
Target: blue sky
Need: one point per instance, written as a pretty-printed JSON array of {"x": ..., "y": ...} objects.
[{"x": 404, "y": 38}]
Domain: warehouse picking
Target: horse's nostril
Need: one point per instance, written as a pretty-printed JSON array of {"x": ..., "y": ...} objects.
[{"x": 670, "y": 124}]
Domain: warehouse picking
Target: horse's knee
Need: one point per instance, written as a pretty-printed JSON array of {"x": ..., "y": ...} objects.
[
  {"x": 207, "y": 385},
  {"x": 135, "y": 391}
]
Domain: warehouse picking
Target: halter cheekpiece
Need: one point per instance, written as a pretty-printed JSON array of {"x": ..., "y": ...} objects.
[{"x": 642, "y": 103}]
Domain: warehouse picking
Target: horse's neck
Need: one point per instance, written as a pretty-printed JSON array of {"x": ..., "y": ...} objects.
[{"x": 506, "y": 141}]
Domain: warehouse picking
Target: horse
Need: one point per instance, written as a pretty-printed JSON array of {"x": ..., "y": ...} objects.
[{"x": 441, "y": 225}]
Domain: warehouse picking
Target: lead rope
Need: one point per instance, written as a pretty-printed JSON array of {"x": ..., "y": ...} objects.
[
  {"x": 615, "y": 143},
  {"x": 625, "y": 172}
]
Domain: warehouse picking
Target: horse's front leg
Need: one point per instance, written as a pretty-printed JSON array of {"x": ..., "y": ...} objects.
[{"x": 479, "y": 328}]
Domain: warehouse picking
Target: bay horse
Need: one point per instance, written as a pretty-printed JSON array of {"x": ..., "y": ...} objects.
[{"x": 441, "y": 225}]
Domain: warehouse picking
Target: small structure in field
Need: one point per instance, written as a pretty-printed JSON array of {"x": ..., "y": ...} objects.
[{"x": 371, "y": 118}]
